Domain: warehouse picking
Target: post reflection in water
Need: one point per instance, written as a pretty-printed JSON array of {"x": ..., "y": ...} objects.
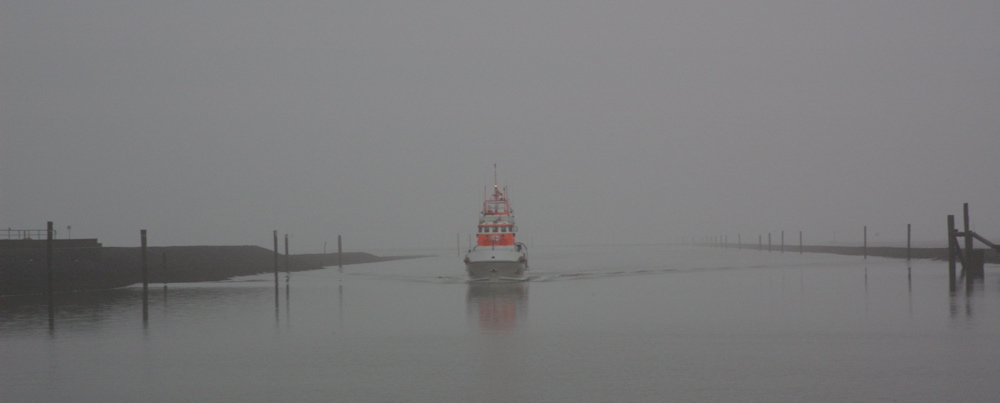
[
  {"x": 958, "y": 299},
  {"x": 497, "y": 307},
  {"x": 288, "y": 305}
]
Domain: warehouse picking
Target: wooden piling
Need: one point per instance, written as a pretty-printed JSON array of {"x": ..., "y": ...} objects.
[
  {"x": 288, "y": 268},
  {"x": 145, "y": 266},
  {"x": 977, "y": 260},
  {"x": 782, "y": 241},
  {"x": 49, "y": 274},
  {"x": 907, "y": 242},
  {"x": 866, "y": 243},
  {"x": 145, "y": 277},
  {"x": 800, "y": 242},
  {"x": 951, "y": 251},
  {"x": 968, "y": 232},
  {"x": 959, "y": 255},
  {"x": 974, "y": 259},
  {"x": 951, "y": 244},
  {"x": 340, "y": 253}
]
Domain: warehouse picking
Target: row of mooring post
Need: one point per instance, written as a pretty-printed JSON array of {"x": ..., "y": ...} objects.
[
  {"x": 972, "y": 260},
  {"x": 144, "y": 269},
  {"x": 722, "y": 241}
]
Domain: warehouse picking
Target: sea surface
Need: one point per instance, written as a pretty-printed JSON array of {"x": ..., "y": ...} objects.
[{"x": 593, "y": 324}]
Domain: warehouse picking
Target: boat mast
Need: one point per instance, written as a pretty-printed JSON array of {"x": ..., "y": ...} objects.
[{"x": 496, "y": 188}]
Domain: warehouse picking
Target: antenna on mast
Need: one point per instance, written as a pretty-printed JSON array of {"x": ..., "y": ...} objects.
[{"x": 496, "y": 186}]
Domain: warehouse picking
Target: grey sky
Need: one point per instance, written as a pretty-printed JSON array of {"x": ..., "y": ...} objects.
[{"x": 209, "y": 122}]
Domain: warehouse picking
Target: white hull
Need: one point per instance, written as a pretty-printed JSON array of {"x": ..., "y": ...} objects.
[
  {"x": 496, "y": 271},
  {"x": 496, "y": 264}
]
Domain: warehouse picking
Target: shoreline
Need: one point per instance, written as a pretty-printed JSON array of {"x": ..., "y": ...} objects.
[
  {"x": 940, "y": 254},
  {"x": 23, "y": 270}
]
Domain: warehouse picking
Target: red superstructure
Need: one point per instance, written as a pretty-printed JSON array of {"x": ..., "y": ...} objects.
[{"x": 496, "y": 223}]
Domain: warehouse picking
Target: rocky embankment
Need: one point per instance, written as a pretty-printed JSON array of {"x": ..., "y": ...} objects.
[{"x": 23, "y": 270}]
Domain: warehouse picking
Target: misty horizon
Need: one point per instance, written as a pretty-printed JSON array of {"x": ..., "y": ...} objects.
[{"x": 611, "y": 123}]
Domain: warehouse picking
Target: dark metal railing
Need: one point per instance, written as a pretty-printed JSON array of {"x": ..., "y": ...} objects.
[{"x": 25, "y": 234}]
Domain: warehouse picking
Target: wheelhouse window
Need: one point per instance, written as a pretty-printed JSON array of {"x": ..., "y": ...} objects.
[{"x": 496, "y": 207}]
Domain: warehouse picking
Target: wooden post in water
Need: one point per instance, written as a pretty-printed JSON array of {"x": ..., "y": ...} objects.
[
  {"x": 865, "y": 248},
  {"x": 145, "y": 266},
  {"x": 951, "y": 242},
  {"x": 288, "y": 269},
  {"x": 782, "y": 241},
  {"x": 907, "y": 242},
  {"x": 951, "y": 249},
  {"x": 974, "y": 259},
  {"x": 800, "y": 242},
  {"x": 968, "y": 237},
  {"x": 340, "y": 253},
  {"x": 48, "y": 271},
  {"x": 145, "y": 278}
]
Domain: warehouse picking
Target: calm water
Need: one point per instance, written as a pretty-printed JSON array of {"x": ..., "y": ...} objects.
[{"x": 608, "y": 323}]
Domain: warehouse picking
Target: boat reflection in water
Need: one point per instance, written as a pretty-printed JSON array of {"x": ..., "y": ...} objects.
[{"x": 497, "y": 307}]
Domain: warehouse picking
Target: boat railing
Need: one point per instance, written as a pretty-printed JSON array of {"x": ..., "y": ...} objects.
[{"x": 11, "y": 233}]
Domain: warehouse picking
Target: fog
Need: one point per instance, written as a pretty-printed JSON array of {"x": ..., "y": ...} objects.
[{"x": 610, "y": 122}]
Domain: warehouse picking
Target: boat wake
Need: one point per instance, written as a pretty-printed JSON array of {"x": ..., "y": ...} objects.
[{"x": 598, "y": 274}]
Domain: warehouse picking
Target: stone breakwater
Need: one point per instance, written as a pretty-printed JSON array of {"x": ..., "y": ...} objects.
[{"x": 76, "y": 268}]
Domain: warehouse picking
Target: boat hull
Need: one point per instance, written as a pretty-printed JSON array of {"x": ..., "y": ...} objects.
[
  {"x": 496, "y": 271},
  {"x": 495, "y": 264}
]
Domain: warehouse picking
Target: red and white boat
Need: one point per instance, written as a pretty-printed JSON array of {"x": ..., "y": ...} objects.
[{"x": 497, "y": 255}]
